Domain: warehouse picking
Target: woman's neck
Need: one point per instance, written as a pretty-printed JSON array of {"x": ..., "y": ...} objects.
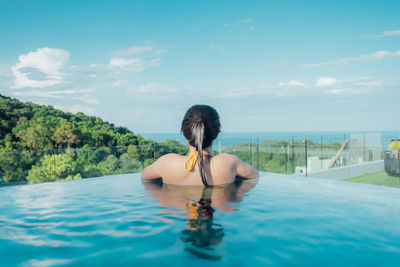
[{"x": 193, "y": 149}]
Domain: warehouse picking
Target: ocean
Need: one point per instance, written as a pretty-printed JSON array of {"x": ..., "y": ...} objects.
[{"x": 234, "y": 138}]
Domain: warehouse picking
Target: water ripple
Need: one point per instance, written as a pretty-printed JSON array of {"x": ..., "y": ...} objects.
[{"x": 119, "y": 221}]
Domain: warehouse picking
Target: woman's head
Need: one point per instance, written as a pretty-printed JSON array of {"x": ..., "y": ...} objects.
[{"x": 201, "y": 126}]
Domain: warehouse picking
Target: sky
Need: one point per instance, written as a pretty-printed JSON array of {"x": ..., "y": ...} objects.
[{"x": 266, "y": 66}]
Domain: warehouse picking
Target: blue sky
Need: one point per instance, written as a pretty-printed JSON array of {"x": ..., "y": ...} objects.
[{"x": 264, "y": 65}]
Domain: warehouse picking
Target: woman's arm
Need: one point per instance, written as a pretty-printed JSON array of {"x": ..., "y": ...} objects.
[
  {"x": 153, "y": 171},
  {"x": 245, "y": 170}
]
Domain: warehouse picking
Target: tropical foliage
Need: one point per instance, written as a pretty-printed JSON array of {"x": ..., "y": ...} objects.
[
  {"x": 40, "y": 144},
  {"x": 395, "y": 146}
]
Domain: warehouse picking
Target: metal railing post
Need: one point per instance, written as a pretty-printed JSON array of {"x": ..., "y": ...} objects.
[
  {"x": 364, "y": 147},
  {"x": 286, "y": 159},
  {"x": 321, "y": 154},
  {"x": 306, "y": 156},
  {"x": 251, "y": 151},
  {"x": 257, "y": 149},
  {"x": 293, "y": 170},
  {"x": 54, "y": 155}
]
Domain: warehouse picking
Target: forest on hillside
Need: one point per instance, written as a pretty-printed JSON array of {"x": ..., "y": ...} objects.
[{"x": 39, "y": 143}]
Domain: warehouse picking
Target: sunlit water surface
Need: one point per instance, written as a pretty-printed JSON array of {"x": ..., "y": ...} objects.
[{"x": 280, "y": 220}]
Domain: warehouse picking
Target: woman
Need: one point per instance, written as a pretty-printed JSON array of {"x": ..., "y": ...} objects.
[{"x": 200, "y": 126}]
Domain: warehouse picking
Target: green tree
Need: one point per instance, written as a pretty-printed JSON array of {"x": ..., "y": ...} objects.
[
  {"x": 110, "y": 165},
  {"x": 15, "y": 164},
  {"x": 130, "y": 161},
  {"x": 64, "y": 135},
  {"x": 52, "y": 168},
  {"x": 35, "y": 137}
]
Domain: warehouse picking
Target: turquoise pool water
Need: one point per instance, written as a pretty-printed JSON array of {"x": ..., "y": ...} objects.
[{"x": 281, "y": 220}]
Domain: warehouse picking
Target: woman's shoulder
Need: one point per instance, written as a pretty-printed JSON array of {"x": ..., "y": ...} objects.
[
  {"x": 162, "y": 165},
  {"x": 227, "y": 156},
  {"x": 170, "y": 156},
  {"x": 170, "y": 160}
]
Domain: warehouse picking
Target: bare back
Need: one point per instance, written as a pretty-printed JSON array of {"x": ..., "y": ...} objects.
[{"x": 220, "y": 169}]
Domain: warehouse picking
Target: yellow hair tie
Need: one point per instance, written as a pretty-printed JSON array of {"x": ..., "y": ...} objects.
[{"x": 192, "y": 160}]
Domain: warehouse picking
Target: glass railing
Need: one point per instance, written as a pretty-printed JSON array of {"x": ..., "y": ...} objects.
[
  {"x": 76, "y": 163},
  {"x": 301, "y": 157}
]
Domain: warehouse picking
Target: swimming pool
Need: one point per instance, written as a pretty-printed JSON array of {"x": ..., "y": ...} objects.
[{"x": 281, "y": 220}]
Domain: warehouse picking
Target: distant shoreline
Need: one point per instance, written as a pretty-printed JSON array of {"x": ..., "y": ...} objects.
[{"x": 234, "y": 138}]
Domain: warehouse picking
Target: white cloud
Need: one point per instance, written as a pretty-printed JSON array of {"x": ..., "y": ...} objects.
[
  {"x": 370, "y": 83},
  {"x": 241, "y": 23},
  {"x": 239, "y": 92},
  {"x": 134, "y": 50},
  {"x": 120, "y": 62},
  {"x": 134, "y": 64},
  {"x": 118, "y": 83},
  {"x": 43, "y": 75},
  {"x": 47, "y": 61},
  {"x": 292, "y": 83},
  {"x": 36, "y": 93},
  {"x": 376, "y": 56},
  {"x": 296, "y": 83},
  {"x": 213, "y": 46},
  {"x": 152, "y": 89},
  {"x": 78, "y": 108},
  {"x": 133, "y": 60},
  {"x": 379, "y": 55},
  {"x": 88, "y": 99},
  {"x": 159, "y": 52},
  {"x": 82, "y": 95},
  {"x": 282, "y": 90},
  {"x": 293, "y": 88},
  {"x": 344, "y": 91},
  {"x": 325, "y": 81},
  {"x": 149, "y": 50},
  {"x": 384, "y": 34},
  {"x": 358, "y": 85},
  {"x": 391, "y": 33}
]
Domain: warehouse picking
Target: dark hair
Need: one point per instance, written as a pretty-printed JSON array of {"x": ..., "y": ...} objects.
[{"x": 201, "y": 126}]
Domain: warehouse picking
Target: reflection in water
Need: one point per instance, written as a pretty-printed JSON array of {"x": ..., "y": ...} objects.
[
  {"x": 201, "y": 231},
  {"x": 200, "y": 204}
]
